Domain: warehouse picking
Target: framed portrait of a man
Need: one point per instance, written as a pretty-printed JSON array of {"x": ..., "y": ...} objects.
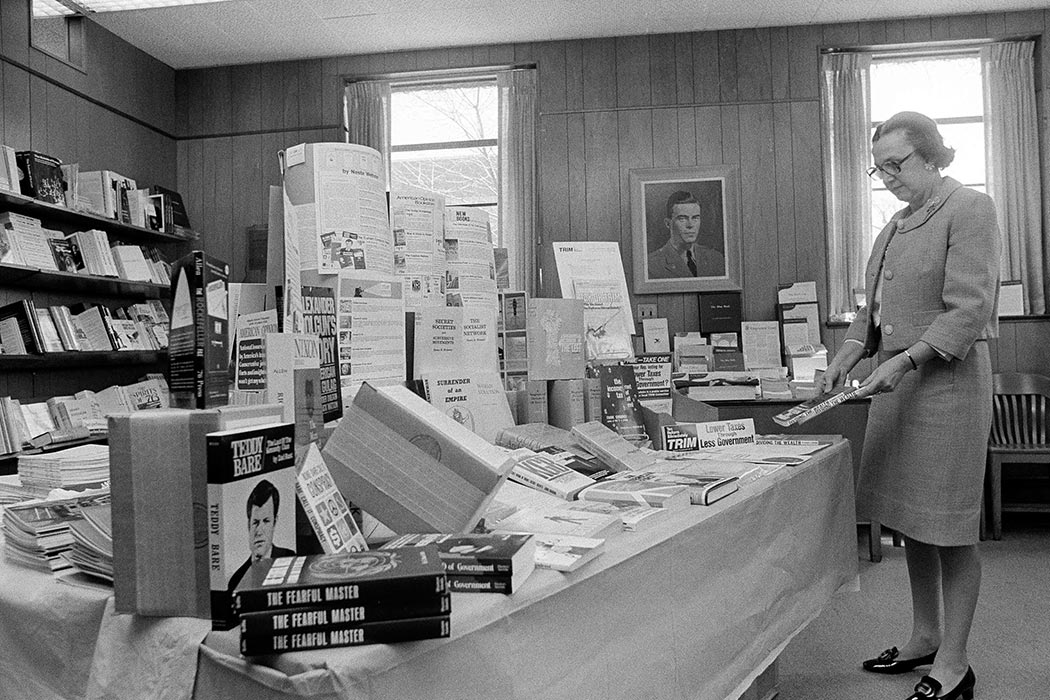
[{"x": 686, "y": 231}]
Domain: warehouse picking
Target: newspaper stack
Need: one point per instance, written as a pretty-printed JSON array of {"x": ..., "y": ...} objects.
[
  {"x": 76, "y": 467},
  {"x": 37, "y": 533}
]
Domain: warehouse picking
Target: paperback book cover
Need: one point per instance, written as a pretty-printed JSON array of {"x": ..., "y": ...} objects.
[
  {"x": 561, "y": 521},
  {"x": 319, "y": 318},
  {"x": 355, "y": 634},
  {"x": 631, "y": 491},
  {"x": 621, "y": 410},
  {"x": 565, "y": 552},
  {"x": 704, "y": 488},
  {"x": 340, "y": 579},
  {"x": 197, "y": 354},
  {"x": 18, "y": 327},
  {"x": 325, "y": 506},
  {"x": 555, "y": 347},
  {"x": 473, "y": 398},
  {"x": 251, "y": 473},
  {"x": 540, "y": 471}
]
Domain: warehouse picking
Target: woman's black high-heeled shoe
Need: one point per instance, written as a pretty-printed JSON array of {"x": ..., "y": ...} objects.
[
  {"x": 888, "y": 662},
  {"x": 928, "y": 688}
]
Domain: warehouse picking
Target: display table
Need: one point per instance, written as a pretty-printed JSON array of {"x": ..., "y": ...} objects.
[{"x": 696, "y": 607}]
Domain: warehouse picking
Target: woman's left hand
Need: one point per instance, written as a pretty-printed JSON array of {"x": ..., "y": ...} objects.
[{"x": 886, "y": 376}]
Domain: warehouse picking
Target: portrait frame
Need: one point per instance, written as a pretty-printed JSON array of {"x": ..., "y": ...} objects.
[{"x": 717, "y": 188}]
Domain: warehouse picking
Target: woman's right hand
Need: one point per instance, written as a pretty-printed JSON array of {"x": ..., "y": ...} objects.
[{"x": 834, "y": 376}]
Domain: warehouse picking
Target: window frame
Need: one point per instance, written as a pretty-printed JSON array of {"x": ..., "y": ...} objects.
[{"x": 448, "y": 80}]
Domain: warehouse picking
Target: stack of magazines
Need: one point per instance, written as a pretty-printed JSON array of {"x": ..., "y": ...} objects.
[
  {"x": 92, "y": 550},
  {"x": 37, "y": 533},
  {"x": 77, "y": 467}
]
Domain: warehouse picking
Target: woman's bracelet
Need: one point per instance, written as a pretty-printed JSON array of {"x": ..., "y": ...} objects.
[{"x": 911, "y": 359}]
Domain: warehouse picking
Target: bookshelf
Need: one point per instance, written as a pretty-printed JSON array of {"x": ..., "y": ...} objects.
[
  {"x": 36, "y": 376},
  {"x": 63, "y": 217}
]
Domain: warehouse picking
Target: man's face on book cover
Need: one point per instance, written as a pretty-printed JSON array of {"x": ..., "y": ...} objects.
[{"x": 261, "y": 523}]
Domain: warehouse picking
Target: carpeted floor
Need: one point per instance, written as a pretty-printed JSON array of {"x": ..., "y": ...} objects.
[{"x": 1009, "y": 645}]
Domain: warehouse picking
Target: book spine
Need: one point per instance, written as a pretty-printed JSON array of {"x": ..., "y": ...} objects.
[
  {"x": 256, "y": 600},
  {"x": 476, "y": 566},
  {"x": 465, "y": 583},
  {"x": 386, "y": 632},
  {"x": 259, "y": 624},
  {"x": 524, "y": 477}
]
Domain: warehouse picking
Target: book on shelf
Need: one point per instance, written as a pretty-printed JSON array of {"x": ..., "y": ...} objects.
[
  {"x": 315, "y": 580},
  {"x": 811, "y": 408},
  {"x": 565, "y": 552},
  {"x": 98, "y": 191},
  {"x": 66, "y": 253},
  {"x": 41, "y": 177},
  {"x": 8, "y": 170},
  {"x": 325, "y": 507},
  {"x": 27, "y": 240},
  {"x": 356, "y": 634},
  {"x": 198, "y": 358},
  {"x": 95, "y": 252},
  {"x": 131, "y": 263},
  {"x": 410, "y": 465},
  {"x": 175, "y": 217},
  {"x": 630, "y": 491},
  {"x": 541, "y": 471},
  {"x": 704, "y": 487},
  {"x": 19, "y": 332},
  {"x": 92, "y": 326},
  {"x": 479, "y": 562},
  {"x": 251, "y": 471}
]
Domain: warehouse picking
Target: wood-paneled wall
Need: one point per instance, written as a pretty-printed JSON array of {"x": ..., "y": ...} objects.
[
  {"x": 749, "y": 98},
  {"x": 117, "y": 113}
]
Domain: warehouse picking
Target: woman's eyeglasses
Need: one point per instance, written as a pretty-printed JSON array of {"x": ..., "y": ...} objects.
[{"x": 890, "y": 167}]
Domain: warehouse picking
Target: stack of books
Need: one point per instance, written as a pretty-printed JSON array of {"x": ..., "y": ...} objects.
[
  {"x": 37, "y": 533},
  {"x": 479, "y": 563},
  {"x": 347, "y": 599}
]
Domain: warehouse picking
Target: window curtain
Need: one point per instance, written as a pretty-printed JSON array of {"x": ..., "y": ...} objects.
[
  {"x": 517, "y": 174},
  {"x": 368, "y": 117},
  {"x": 846, "y": 111},
  {"x": 1012, "y": 152}
]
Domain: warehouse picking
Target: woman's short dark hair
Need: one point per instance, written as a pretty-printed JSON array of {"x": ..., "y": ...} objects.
[{"x": 922, "y": 134}]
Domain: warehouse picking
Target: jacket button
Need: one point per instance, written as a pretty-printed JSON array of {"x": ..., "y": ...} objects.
[
  {"x": 888, "y": 329},
  {"x": 888, "y": 274}
]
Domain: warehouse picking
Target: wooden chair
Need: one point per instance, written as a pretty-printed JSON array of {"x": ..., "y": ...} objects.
[{"x": 1020, "y": 403}]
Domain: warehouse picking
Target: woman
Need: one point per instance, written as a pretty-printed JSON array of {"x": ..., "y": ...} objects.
[{"x": 932, "y": 286}]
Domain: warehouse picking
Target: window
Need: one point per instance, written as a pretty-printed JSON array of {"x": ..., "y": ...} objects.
[
  {"x": 945, "y": 87},
  {"x": 443, "y": 138}
]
